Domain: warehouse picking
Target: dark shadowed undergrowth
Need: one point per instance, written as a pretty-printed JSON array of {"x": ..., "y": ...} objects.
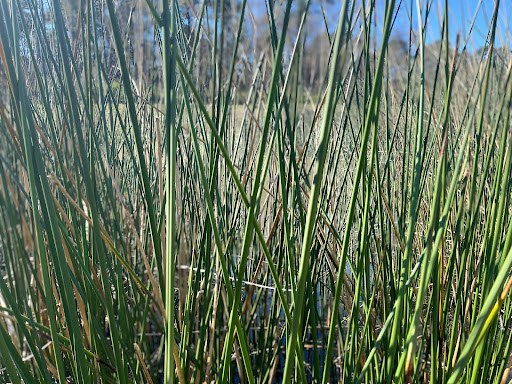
[{"x": 195, "y": 192}]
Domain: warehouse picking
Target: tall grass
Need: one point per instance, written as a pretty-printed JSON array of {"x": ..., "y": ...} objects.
[{"x": 189, "y": 225}]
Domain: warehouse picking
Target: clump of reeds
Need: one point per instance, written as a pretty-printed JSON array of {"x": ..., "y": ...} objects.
[{"x": 187, "y": 224}]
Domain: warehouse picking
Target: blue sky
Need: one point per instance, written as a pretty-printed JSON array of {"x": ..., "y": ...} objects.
[{"x": 461, "y": 14}]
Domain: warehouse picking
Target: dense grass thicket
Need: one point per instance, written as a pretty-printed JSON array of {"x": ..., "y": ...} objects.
[{"x": 181, "y": 201}]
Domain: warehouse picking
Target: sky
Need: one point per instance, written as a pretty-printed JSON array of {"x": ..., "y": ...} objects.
[{"x": 461, "y": 14}]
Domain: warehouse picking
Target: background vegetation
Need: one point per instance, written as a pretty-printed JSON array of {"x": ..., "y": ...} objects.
[{"x": 195, "y": 192}]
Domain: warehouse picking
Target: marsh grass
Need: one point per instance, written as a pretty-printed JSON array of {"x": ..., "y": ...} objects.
[{"x": 165, "y": 227}]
